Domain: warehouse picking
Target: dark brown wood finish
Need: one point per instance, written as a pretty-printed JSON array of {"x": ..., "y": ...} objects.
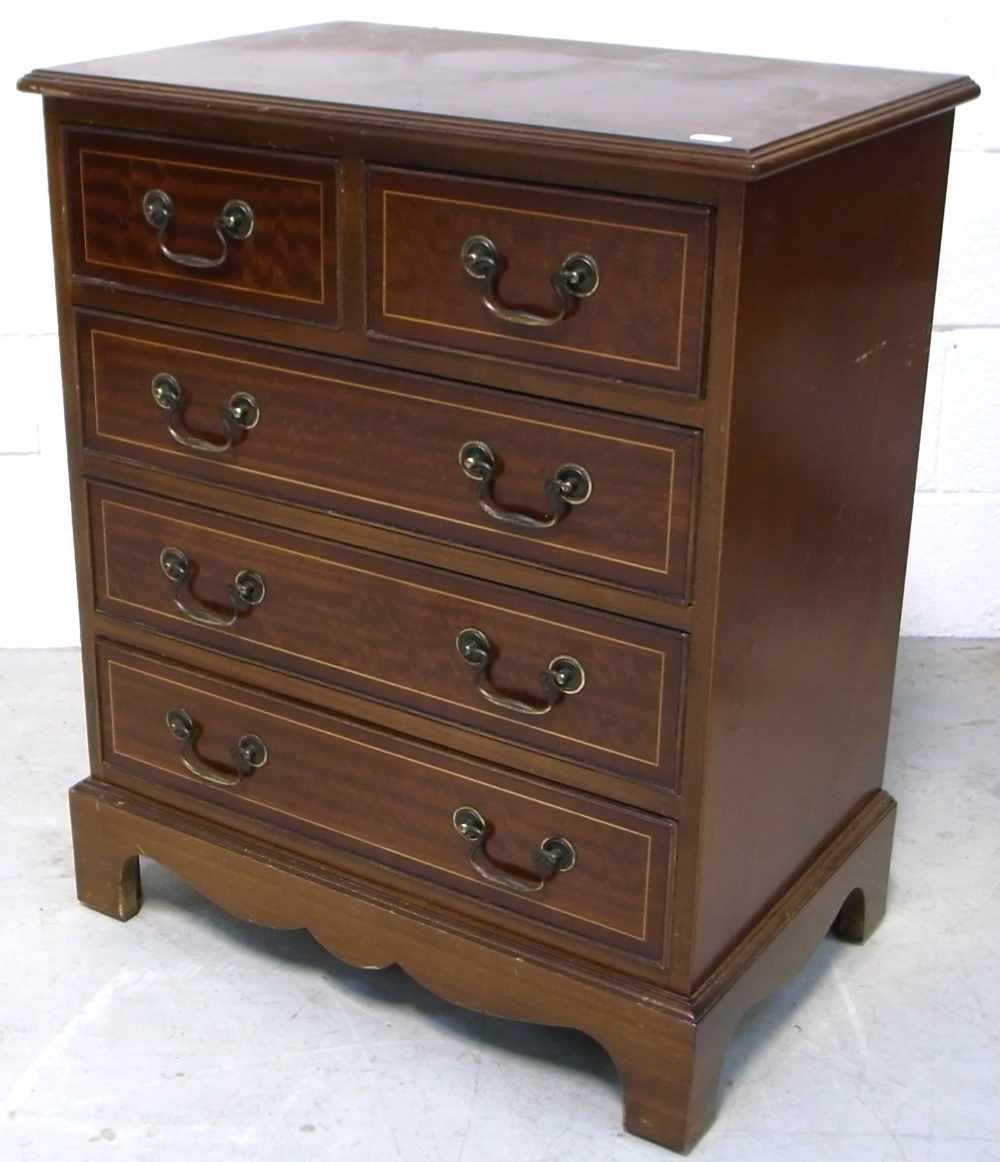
[
  {"x": 354, "y": 150},
  {"x": 521, "y": 92},
  {"x": 388, "y": 629},
  {"x": 608, "y": 784},
  {"x": 668, "y": 1050},
  {"x": 817, "y": 510},
  {"x": 384, "y": 447},
  {"x": 644, "y": 321},
  {"x": 732, "y": 723},
  {"x": 287, "y": 265},
  {"x": 393, "y": 801}
]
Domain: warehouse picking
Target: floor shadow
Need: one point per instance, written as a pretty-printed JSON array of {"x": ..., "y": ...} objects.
[
  {"x": 389, "y": 987},
  {"x": 770, "y": 1016}
]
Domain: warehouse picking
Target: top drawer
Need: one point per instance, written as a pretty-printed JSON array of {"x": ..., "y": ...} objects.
[
  {"x": 607, "y": 286},
  {"x": 251, "y": 229}
]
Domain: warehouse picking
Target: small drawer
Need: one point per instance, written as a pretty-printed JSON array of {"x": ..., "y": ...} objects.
[
  {"x": 384, "y": 447},
  {"x": 258, "y": 757},
  {"x": 564, "y": 681},
  {"x": 250, "y": 229},
  {"x": 608, "y": 286}
]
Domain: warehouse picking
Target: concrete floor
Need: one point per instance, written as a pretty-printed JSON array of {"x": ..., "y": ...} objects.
[{"x": 187, "y": 1035}]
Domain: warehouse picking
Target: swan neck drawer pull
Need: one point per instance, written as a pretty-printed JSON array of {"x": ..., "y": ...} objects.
[
  {"x": 247, "y": 755},
  {"x": 577, "y": 278},
  {"x": 238, "y": 416},
  {"x": 553, "y": 855},
  {"x": 567, "y": 487},
  {"x": 563, "y": 675},
  {"x": 233, "y": 224},
  {"x": 244, "y": 592}
]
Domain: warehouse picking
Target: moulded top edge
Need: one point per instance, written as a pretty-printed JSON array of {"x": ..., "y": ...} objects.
[{"x": 710, "y": 113}]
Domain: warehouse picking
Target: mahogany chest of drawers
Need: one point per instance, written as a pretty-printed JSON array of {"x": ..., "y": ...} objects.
[{"x": 492, "y": 467}]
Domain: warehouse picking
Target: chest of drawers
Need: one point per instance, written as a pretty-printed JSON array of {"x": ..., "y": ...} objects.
[{"x": 492, "y": 466}]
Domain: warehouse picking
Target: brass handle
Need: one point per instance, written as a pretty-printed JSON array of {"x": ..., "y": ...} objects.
[
  {"x": 563, "y": 675},
  {"x": 245, "y": 590},
  {"x": 577, "y": 278},
  {"x": 238, "y": 416},
  {"x": 234, "y": 223},
  {"x": 553, "y": 855},
  {"x": 247, "y": 755},
  {"x": 568, "y": 486}
]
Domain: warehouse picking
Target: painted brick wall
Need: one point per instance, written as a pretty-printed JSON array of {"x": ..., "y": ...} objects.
[{"x": 953, "y": 583}]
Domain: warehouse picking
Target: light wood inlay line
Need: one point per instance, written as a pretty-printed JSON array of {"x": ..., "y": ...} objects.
[
  {"x": 676, "y": 366},
  {"x": 243, "y": 557},
  {"x": 166, "y": 272},
  {"x": 180, "y": 772},
  {"x": 171, "y": 449}
]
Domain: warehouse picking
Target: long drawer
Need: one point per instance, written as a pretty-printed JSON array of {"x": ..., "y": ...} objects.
[
  {"x": 603, "y": 872},
  {"x": 250, "y": 229},
  {"x": 385, "y": 447},
  {"x": 590, "y": 687}
]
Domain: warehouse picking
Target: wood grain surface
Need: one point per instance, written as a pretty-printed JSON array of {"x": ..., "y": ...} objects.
[
  {"x": 831, "y": 363},
  {"x": 387, "y": 629},
  {"x": 288, "y": 264},
  {"x": 371, "y": 792},
  {"x": 625, "y": 101},
  {"x": 644, "y": 321},
  {"x": 744, "y": 384},
  {"x": 384, "y": 447},
  {"x": 668, "y": 1049}
]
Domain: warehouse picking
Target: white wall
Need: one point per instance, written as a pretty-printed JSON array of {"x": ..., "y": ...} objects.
[{"x": 953, "y": 585}]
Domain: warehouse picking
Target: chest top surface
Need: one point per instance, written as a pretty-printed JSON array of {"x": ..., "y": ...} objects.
[{"x": 736, "y": 115}]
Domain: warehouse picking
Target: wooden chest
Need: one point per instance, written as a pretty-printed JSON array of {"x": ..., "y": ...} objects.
[{"x": 492, "y": 466}]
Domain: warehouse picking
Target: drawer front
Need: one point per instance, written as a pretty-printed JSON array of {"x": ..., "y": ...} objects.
[
  {"x": 384, "y": 447},
  {"x": 196, "y": 244},
  {"x": 385, "y": 629},
  {"x": 389, "y": 799},
  {"x": 643, "y": 321}
]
